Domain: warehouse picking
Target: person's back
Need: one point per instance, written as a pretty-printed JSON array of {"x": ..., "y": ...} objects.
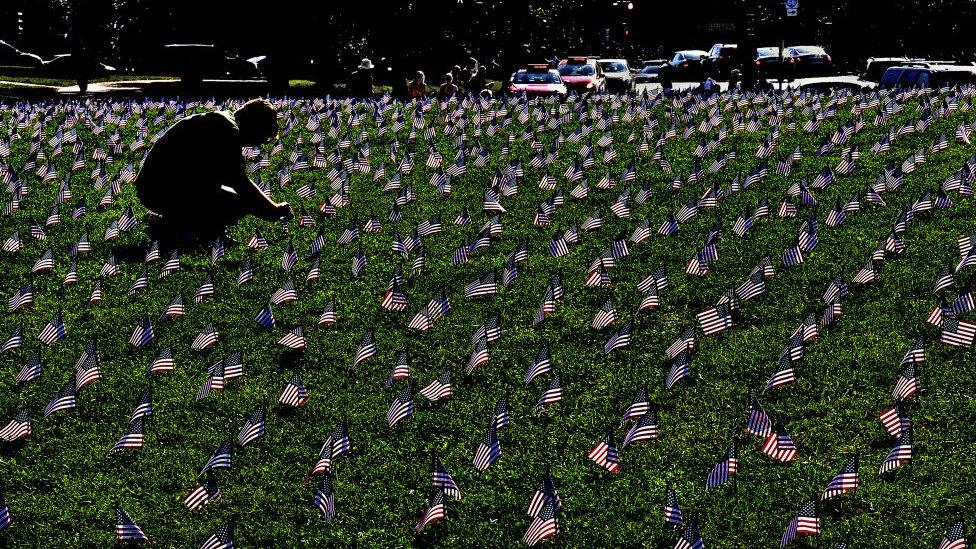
[
  {"x": 477, "y": 82},
  {"x": 200, "y": 148},
  {"x": 361, "y": 84}
]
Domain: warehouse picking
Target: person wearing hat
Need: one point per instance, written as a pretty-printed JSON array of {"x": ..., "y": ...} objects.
[{"x": 361, "y": 80}]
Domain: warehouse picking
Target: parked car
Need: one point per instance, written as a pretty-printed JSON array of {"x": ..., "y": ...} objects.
[
  {"x": 876, "y": 66},
  {"x": 582, "y": 75},
  {"x": 807, "y": 61},
  {"x": 617, "y": 73},
  {"x": 685, "y": 66},
  {"x": 721, "y": 60},
  {"x": 768, "y": 61},
  {"x": 652, "y": 62},
  {"x": 928, "y": 76},
  {"x": 537, "y": 80},
  {"x": 649, "y": 73},
  {"x": 10, "y": 56},
  {"x": 833, "y": 83}
]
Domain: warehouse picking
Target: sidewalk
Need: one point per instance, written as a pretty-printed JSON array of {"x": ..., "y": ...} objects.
[{"x": 154, "y": 87}]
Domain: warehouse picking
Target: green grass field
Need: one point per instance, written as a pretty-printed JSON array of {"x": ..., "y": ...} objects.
[{"x": 62, "y": 488}]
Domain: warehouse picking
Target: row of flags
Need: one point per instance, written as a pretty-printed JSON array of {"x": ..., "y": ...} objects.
[{"x": 544, "y": 515}]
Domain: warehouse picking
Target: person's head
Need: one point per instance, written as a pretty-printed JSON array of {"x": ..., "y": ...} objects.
[
  {"x": 419, "y": 77},
  {"x": 473, "y": 63},
  {"x": 448, "y": 78},
  {"x": 257, "y": 122}
]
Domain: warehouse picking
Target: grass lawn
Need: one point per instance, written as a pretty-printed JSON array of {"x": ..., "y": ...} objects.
[{"x": 62, "y": 486}]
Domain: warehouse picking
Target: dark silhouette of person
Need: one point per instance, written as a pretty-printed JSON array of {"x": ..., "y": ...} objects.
[
  {"x": 361, "y": 80},
  {"x": 193, "y": 179}
]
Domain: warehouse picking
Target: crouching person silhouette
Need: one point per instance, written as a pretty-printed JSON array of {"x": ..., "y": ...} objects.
[{"x": 193, "y": 179}]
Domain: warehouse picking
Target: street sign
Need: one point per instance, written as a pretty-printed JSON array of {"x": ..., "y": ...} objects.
[{"x": 791, "y": 7}]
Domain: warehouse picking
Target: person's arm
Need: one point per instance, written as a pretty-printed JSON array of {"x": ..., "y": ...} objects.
[{"x": 254, "y": 201}]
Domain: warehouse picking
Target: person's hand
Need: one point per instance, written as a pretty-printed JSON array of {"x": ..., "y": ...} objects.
[{"x": 284, "y": 212}]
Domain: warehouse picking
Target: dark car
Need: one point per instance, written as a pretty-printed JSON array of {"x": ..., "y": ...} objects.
[
  {"x": 685, "y": 66},
  {"x": 929, "y": 76},
  {"x": 10, "y": 56},
  {"x": 582, "y": 75},
  {"x": 721, "y": 60},
  {"x": 807, "y": 61},
  {"x": 617, "y": 73},
  {"x": 877, "y": 66},
  {"x": 768, "y": 61},
  {"x": 649, "y": 73}
]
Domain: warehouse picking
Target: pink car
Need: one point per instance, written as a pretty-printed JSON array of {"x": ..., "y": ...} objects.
[{"x": 582, "y": 75}]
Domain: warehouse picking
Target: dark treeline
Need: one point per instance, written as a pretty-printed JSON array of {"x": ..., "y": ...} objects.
[{"x": 322, "y": 40}]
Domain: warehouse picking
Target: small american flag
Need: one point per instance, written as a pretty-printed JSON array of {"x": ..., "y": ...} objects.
[
  {"x": 725, "y": 469},
  {"x": 202, "y": 493},
  {"x": 18, "y": 428},
  {"x": 64, "y": 399},
  {"x": 253, "y": 427},
  {"x": 402, "y": 406},
  {"x": 544, "y": 525},
  {"x": 434, "y": 512},
  {"x": 126, "y": 530},
  {"x": 900, "y": 454},
  {"x": 644, "y": 429},
  {"x": 53, "y": 331},
  {"x": 294, "y": 393},
  {"x": 779, "y": 445},
  {"x": 220, "y": 459},
  {"x": 142, "y": 335},
  {"x": 222, "y": 538},
  {"x": 954, "y": 538},
  {"x": 205, "y": 339},
  {"x": 488, "y": 450},
  {"x": 805, "y": 522},
  {"x": 31, "y": 369},
  {"x": 604, "y": 454},
  {"x": 690, "y": 537},
  {"x": 846, "y": 480},
  {"x": 366, "y": 349},
  {"x": 132, "y": 439},
  {"x": 672, "y": 511},
  {"x": 442, "y": 480},
  {"x": 438, "y": 389}
]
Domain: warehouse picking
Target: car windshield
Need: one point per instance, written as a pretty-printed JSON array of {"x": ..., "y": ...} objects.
[
  {"x": 807, "y": 50},
  {"x": 576, "y": 70},
  {"x": 650, "y": 69},
  {"x": 525, "y": 77},
  {"x": 767, "y": 52},
  {"x": 613, "y": 66}
]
